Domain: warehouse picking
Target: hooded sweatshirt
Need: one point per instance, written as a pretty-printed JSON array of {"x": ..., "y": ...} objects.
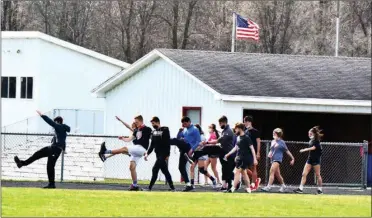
[{"x": 60, "y": 132}]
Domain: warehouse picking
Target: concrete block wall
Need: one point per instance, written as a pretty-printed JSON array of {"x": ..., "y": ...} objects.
[{"x": 81, "y": 161}]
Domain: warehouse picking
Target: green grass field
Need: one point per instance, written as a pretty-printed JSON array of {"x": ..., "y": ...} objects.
[{"x": 48, "y": 203}]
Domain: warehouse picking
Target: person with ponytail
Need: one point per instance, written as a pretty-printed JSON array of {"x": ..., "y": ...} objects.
[
  {"x": 313, "y": 160},
  {"x": 212, "y": 159},
  {"x": 277, "y": 149}
]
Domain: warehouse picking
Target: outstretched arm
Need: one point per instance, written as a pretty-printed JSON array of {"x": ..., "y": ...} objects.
[
  {"x": 124, "y": 123},
  {"x": 308, "y": 149},
  {"x": 47, "y": 119}
]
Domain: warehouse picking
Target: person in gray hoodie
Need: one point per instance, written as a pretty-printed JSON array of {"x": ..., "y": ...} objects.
[{"x": 53, "y": 151}]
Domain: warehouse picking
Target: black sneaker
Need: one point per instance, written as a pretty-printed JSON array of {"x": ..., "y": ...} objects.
[
  {"x": 299, "y": 191},
  {"x": 188, "y": 188},
  {"x": 319, "y": 192},
  {"x": 50, "y": 186},
  {"x": 102, "y": 151},
  {"x": 228, "y": 191},
  {"x": 223, "y": 189},
  {"x": 102, "y": 157},
  {"x": 172, "y": 190},
  {"x": 134, "y": 188},
  {"x": 18, "y": 162},
  {"x": 103, "y": 148}
]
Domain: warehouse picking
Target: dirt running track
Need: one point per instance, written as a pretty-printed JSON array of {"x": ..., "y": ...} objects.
[{"x": 162, "y": 187}]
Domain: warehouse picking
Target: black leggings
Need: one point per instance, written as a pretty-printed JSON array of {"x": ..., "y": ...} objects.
[
  {"x": 52, "y": 152},
  {"x": 161, "y": 164},
  {"x": 184, "y": 149}
]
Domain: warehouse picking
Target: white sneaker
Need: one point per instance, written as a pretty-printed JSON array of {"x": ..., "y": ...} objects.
[
  {"x": 282, "y": 189},
  {"x": 266, "y": 189},
  {"x": 248, "y": 190}
]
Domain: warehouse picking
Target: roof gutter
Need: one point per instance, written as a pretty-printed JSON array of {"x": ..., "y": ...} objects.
[{"x": 294, "y": 101}]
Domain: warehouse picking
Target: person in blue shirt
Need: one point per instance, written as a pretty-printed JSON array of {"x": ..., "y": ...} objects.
[
  {"x": 186, "y": 143},
  {"x": 277, "y": 149}
]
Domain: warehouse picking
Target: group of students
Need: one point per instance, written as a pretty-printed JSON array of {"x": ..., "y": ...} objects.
[{"x": 237, "y": 148}]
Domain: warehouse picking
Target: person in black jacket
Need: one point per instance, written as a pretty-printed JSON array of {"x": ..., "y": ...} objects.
[
  {"x": 53, "y": 151},
  {"x": 141, "y": 140},
  {"x": 227, "y": 142},
  {"x": 160, "y": 141}
]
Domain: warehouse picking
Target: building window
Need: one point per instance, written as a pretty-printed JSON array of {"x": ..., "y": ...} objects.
[
  {"x": 194, "y": 113},
  {"x": 27, "y": 85},
  {"x": 8, "y": 87}
]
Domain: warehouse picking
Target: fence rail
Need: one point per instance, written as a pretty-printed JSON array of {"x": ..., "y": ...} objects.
[
  {"x": 81, "y": 122},
  {"x": 343, "y": 164}
]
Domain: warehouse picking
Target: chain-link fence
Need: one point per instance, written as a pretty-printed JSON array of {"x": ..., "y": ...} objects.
[
  {"x": 343, "y": 164},
  {"x": 80, "y": 121},
  {"x": 80, "y": 161}
]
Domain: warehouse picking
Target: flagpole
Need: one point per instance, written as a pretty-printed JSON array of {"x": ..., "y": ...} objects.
[
  {"x": 337, "y": 27},
  {"x": 233, "y": 34}
]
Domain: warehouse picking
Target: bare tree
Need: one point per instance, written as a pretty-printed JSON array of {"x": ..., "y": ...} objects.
[
  {"x": 275, "y": 21},
  {"x": 146, "y": 11},
  {"x": 13, "y": 17},
  {"x": 173, "y": 21}
]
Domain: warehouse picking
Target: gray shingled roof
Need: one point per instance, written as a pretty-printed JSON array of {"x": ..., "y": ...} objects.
[{"x": 275, "y": 75}]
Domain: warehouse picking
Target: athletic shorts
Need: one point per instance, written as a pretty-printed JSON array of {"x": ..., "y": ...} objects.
[
  {"x": 314, "y": 161},
  {"x": 277, "y": 161},
  {"x": 205, "y": 157},
  {"x": 213, "y": 156},
  {"x": 243, "y": 163},
  {"x": 136, "y": 152}
]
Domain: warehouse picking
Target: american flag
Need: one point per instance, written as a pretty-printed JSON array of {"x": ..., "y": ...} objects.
[{"x": 246, "y": 29}]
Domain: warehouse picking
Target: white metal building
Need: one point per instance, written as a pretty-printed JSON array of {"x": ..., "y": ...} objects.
[
  {"x": 42, "y": 72},
  {"x": 205, "y": 85}
]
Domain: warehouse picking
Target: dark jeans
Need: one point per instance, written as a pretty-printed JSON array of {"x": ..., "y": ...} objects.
[
  {"x": 228, "y": 169},
  {"x": 161, "y": 164},
  {"x": 184, "y": 149},
  {"x": 52, "y": 152}
]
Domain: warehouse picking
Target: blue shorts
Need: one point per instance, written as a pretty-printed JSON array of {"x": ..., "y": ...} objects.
[
  {"x": 314, "y": 161},
  {"x": 277, "y": 161}
]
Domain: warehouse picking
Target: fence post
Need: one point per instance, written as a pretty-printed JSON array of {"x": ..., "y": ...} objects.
[
  {"x": 62, "y": 164},
  {"x": 365, "y": 164},
  {"x": 267, "y": 167}
]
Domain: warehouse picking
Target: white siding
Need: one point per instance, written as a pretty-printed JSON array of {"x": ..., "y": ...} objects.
[
  {"x": 62, "y": 78},
  {"x": 159, "y": 89},
  {"x": 22, "y": 64},
  {"x": 67, "y": 78}
]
